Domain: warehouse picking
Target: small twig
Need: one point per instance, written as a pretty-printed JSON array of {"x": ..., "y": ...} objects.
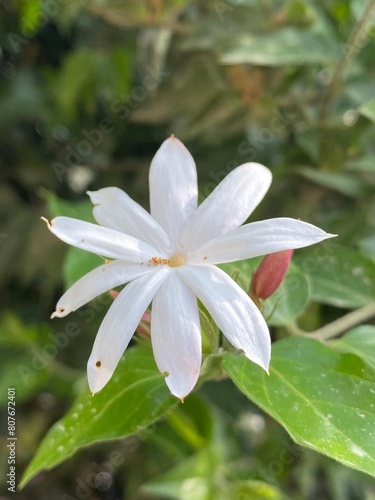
[
  {"x": 343, "y": 324},
  {"x": 352, "y": 47}
]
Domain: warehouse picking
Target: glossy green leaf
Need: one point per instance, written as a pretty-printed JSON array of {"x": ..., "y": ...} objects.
[
  {"x": 325, "y": 399},
  {"x": 135, "y": 397},
  {"x": 286, "y": 46},
  {"x": 339, "y": 276},
  {"x": 287, "y": 303},
  {"x": 359, "y": 341}
]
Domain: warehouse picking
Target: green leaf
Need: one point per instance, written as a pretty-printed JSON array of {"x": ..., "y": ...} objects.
[
  {"x": 31, "y": 16},
  {"x": 345, "y": 183},
  {"x": 321, "y": 397},
  {"x": 359, "y": 341},
  {"x": 254, "y": 490},
  {"x": 78, "y": 210},
  {"x": 289, "y": 300},
  {"x": 286, "y": 46},
  {"x": 21, "y": 372},
  {"x": 192, "y": 421},
  {"x": 78, "y": 263},
  {"x": 28, "y": 358},
  {"x": 287, "y": 303},
  {"x": 191, "y": 479},
  {"x": 367, "y": 247},
  {"x": 106, "y": 76},
  {"x": 198, "y": 475},
  {"x": 364, "y": 164},
  {"x": 135, "y": 397},
  {"x": 75, "y": 88},
  {"x": 367, "y": 109},
  {"x": 339, "y": 276},
  {"x": 201, "y": 476},
  {"x": 14, "y": 333}
]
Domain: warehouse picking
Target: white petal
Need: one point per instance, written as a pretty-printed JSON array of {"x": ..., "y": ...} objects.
[
  {"x": 96, "y": 282},
  {"x": 116, "y": 210},
  {"x": 232, "y": 310},
  {"x": 173, "y": 188},
  {"x": 176, "y": 336},
  {"x": 228, "y": 206},
  {"x": 101, "y": 240},
  {"x": 258, "y": 238},
  {"x": 119, "y": 326}
]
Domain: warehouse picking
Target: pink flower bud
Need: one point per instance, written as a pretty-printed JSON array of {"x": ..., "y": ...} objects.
[
  {"x": 269, "y": 274},
  {"x": 144, "y": 327}
]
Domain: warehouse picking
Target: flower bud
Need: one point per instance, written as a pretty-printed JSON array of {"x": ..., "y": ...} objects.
[
  {"x": 269, "y": 274},
  {"x": 144, "y": 327}
]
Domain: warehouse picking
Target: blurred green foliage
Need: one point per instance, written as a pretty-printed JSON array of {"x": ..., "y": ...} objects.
[{"x": 88, "y": 91}]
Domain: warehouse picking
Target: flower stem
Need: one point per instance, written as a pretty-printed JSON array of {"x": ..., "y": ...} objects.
[
  {"x": 352, "y": 47},
  {"x": 344, "y": 323}
]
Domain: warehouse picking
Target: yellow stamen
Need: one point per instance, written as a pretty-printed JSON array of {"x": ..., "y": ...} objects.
[
  {"x": 177, "y": 260},
  {"x": 156, "y": 261}
]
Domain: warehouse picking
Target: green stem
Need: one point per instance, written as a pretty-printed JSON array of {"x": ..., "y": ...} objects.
[
  {"x": 352, "y": 47},
  {"x": 343, "y": 324}
]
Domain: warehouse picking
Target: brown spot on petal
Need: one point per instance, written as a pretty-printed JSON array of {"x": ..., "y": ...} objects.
[{"x": 98, "y": 364}]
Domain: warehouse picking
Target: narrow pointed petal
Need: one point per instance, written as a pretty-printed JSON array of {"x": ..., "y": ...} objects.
[
  {"x": 101, "y": 240},
  {"x": 173, "y": 188},
  {"x": 116, "y": 210},
  {"x": 119, "y": 326},
  {"x": 96, "y": 282},
  {"x": 176, "y": 336},
  {"x": 228, "y": 206},
  {"x": 232, "y": 310},
  {"x": 259, "y": 238}
]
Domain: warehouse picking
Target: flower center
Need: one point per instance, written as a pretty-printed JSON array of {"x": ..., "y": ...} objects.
[{"x": 177, "y": 260}]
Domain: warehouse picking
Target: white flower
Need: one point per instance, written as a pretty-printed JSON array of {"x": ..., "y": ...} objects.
[{"x": 169, "y": 258}]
